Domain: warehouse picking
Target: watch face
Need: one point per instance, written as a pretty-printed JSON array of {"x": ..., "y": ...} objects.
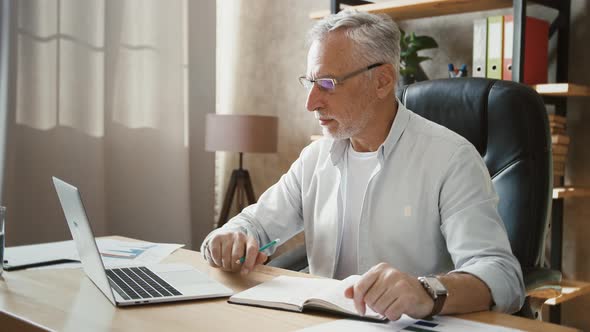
[{"x": 436, "y": 285}]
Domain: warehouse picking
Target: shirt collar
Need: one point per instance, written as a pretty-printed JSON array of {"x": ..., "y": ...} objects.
[{"x": 399, "y": 125}]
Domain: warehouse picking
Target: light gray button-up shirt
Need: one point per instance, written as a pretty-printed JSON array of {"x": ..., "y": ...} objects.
[{"x": 429, "y": 208}]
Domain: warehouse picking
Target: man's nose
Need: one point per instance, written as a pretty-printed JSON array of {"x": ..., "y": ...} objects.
[{"x": 314, "y": 98}]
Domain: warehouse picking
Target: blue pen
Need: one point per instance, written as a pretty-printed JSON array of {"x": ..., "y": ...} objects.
[
  {"x": 451, "y": 70},
  {"x": 463, "y": 71},
  {"x": 264, "y": 247}
]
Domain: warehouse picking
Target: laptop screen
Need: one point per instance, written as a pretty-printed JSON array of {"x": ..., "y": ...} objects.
[{"x": 71, "y": 203}]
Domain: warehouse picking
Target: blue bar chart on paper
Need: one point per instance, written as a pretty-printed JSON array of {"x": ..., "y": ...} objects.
[
  {"x": 122, "y": 253},
  {"x": 132, "y": 252}
]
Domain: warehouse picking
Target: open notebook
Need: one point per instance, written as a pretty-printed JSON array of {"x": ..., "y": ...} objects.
[{"x": 297, "y": 294}]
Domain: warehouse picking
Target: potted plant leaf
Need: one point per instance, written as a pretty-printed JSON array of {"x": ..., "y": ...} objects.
[{"x": 410, "y": 44}]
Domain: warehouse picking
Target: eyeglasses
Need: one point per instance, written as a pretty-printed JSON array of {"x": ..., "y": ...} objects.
[{"x": 329, "y": 83}]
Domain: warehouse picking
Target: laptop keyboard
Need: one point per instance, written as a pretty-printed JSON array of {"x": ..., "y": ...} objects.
[{"x": 139, "y": 283}]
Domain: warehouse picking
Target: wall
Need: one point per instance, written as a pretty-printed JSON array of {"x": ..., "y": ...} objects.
[
  {"x": 261, "y": 52},
  {"x": 272, "y": 38}
]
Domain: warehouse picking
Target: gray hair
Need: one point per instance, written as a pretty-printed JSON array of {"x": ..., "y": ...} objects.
[{"x": 377, "y": 35}]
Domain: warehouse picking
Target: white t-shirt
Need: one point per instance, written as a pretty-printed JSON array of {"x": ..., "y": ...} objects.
[{"x": 360, "y": 167}]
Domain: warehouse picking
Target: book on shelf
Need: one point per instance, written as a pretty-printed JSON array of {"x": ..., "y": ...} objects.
[
  {"x": 557, "y": 131},
  {"x": 557, "y": 119},
  {"x": 480, "y": 30},
  {"x": 493, "y": 41},
  {"x": 494, "y": 47},
  {"x": 536, "y": 50},
  {"x": 297, "y": 294},
  {"x": 558, "y": 172},
  {"x": 558, "y": 167},
  {"x": 560, "y": 158},
  {"x": 559, "y": 149},
  {"x": 556, "y": 125},
  {"x": 560, "y": 139}
]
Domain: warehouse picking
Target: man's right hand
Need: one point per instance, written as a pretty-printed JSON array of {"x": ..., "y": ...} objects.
[{"x": 224, "y": 250}]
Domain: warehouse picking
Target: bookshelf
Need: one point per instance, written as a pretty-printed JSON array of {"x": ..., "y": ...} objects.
[
  {"x": 404, "y": 9},
  {"x": 562, "y": 90},
  {"x": 553, "y": 93},
  {"x": 569, "y": 191}
]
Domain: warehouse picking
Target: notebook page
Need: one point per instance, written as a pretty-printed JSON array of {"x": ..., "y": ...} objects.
[
  {"x": 335, "y": 296},
  {"x": 285, "y": 289}
]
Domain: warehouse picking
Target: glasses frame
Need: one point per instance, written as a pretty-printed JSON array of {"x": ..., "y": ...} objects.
[{"x": 309, "y": 83}]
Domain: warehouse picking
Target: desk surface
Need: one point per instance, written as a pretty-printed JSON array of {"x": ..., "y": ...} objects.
[{"x": 65, "y": 300}]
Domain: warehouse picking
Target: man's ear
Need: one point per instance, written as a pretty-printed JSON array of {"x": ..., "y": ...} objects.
[{"x": 386, "y": 79}]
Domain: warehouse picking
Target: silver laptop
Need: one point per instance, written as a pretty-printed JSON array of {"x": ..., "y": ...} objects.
[{"x": 135, "y": 285}]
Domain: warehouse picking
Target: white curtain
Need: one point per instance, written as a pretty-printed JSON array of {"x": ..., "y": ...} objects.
[{"x": 101, "y": 100}]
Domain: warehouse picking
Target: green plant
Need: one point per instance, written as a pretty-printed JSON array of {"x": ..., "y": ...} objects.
[{"x": 410, "y": 60}]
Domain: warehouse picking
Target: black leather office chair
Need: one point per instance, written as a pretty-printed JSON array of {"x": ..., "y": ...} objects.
[{"x": 507, "y": 123}]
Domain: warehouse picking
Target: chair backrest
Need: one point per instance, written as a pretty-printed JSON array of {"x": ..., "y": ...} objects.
[{"x": 507, "y": 123}]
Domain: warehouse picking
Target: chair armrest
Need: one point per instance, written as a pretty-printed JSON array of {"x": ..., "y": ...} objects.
[
  {"x": 538, "y": 277},
  {"x": 294, "y": 260}
]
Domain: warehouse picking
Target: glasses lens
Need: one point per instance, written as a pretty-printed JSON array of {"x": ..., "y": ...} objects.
[{"x": 326, "y": 84}]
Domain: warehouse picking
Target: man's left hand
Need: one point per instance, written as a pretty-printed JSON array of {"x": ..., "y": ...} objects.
[{"x": 391, "y": 293}]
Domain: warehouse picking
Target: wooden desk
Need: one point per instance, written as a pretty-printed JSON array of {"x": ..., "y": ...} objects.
[{"x": 65, "y": 300}]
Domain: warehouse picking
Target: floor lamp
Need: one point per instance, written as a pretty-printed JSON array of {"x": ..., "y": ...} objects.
[{"x": 240, "y": 133}]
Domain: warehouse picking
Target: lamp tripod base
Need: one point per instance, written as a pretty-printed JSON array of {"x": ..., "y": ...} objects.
[{"x": 239, "y": 182}]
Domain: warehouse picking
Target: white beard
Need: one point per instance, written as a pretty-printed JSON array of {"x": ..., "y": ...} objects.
[{"x": 347, "y": 132}]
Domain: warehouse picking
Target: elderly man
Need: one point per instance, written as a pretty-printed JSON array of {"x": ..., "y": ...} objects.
[{"x": 387, "y": 194}]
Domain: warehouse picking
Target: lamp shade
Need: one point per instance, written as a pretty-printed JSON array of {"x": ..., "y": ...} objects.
[{"x": 241, "y": 133}]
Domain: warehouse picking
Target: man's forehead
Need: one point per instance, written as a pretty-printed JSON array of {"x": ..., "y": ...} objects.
[{"x": 329, "y": 55}]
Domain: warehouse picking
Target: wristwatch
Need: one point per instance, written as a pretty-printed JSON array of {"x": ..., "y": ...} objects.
[{"x": 436, "y": 290}]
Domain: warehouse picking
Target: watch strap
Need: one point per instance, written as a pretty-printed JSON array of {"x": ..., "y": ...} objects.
[
  {"x": 438, "y": 298},
  {"x": 439, "y": 302}
]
